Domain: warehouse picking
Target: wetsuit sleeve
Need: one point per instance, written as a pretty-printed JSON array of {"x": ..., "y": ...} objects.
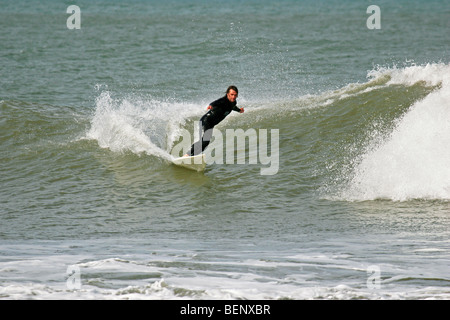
[
  {"x": 215, "y": 102},
  {"x": 235, "y": 108}
]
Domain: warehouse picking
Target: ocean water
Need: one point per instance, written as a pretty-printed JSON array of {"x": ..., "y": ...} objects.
[{"x": 357, "y": 205}]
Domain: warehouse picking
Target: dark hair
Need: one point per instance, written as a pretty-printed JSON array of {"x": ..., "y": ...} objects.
[{"x": 232, "y": 88}]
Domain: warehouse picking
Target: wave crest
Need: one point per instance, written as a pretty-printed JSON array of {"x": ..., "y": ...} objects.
[{"x": 413, "y": 162}]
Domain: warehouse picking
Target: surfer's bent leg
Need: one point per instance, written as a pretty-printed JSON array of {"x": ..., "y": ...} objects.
[
  {"x": 206, "y": 139},
  {"x": 200, "y": 145}
]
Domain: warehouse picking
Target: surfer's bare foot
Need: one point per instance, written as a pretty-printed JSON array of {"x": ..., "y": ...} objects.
[{"x": 186, "y": 155}]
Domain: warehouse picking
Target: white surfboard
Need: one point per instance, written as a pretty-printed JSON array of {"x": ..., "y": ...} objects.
[{"x": 196, "y": 163}]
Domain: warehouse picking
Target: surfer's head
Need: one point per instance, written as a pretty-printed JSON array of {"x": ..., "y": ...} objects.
[{"x": 232, "y": 93}]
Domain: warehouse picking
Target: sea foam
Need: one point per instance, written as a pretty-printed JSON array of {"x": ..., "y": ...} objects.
[
  {"x": 138, "y": 126},
  {"x": 413, "y": 162}
]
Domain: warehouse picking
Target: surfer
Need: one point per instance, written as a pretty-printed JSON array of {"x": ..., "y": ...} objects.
[{"x": 217, "y": 111}]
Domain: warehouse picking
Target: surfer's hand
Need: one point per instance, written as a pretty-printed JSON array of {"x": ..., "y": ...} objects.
[
  {"x": 209, "y": 108},
  {"x": 242, "y": 110}
]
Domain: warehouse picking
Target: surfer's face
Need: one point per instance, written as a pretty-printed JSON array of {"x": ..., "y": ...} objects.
[{"x": 232, "y": 95}]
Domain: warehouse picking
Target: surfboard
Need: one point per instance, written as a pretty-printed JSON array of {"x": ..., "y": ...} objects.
[{"x": 196, "y": 163}]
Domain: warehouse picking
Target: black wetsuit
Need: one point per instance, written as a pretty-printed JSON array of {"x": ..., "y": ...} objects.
[{"x": 220, "y": 109}]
